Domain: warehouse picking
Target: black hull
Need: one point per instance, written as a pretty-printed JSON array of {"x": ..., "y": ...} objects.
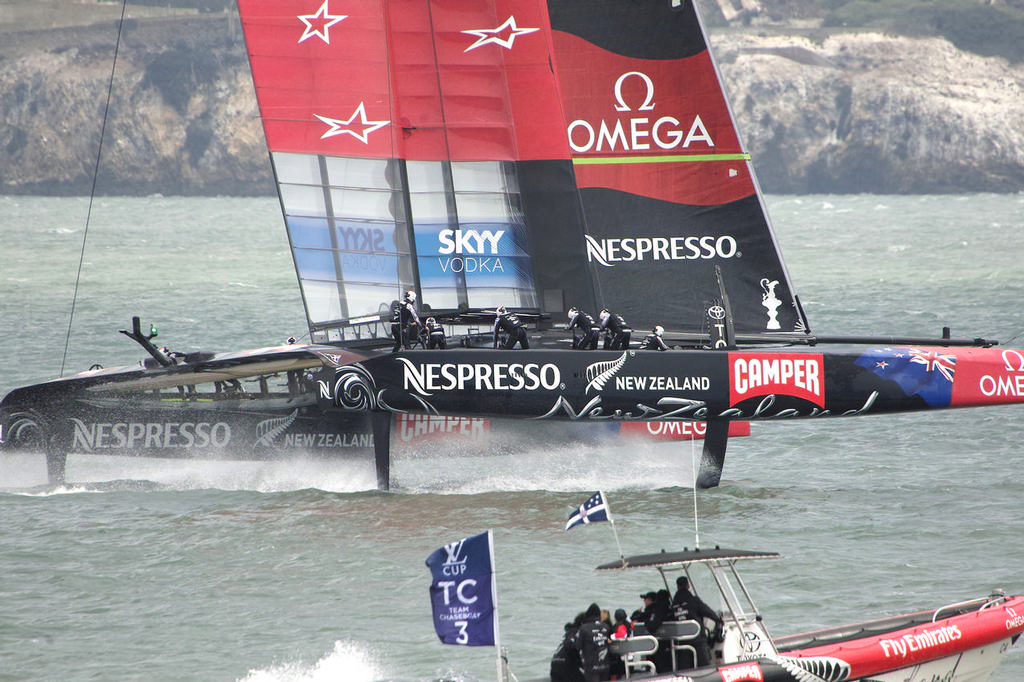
[
  {"x": 328, "y": 402},
  {"x": 682, "y": 385}
]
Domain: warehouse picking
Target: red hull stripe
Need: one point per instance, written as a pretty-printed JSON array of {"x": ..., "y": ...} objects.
[{"x": 894, "y": 650}]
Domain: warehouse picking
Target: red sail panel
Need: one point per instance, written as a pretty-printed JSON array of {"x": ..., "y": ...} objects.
[
  {"x": 498, "y": 95},
  {"x": 654, "y": 128},
  {"x": 321, "y": 75},
  {"x": 464, "y": 80}
]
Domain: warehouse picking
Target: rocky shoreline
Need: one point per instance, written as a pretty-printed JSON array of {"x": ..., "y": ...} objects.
[{"x": 854, "y": 112}]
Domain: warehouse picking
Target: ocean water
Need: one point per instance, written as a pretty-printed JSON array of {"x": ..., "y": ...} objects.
[{"x": 300, "y": 571}]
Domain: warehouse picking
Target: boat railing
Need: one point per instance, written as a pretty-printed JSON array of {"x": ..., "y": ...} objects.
[
  {"x": 681, "y": 634},
  {"x": 961, "y": 607},
  {"x": 634, "y": 652}
]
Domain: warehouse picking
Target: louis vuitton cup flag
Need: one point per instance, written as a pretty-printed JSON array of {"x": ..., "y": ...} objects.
[{"x": 463, "y": 594}]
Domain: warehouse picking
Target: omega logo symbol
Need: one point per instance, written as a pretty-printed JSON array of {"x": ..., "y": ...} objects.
[{"x": 648, "y": 104}]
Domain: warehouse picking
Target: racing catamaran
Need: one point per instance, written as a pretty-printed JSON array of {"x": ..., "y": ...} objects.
[{"x": 531, "y": 154}]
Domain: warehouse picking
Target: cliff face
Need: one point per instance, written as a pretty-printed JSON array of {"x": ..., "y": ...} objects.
[
  {"x": 874, "y": 113},
  {"x": 182, "y": 114},
  {"x": 854, "y": 113}
]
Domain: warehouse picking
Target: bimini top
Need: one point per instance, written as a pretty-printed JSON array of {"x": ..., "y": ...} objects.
[{"x": 687, "y": 556}]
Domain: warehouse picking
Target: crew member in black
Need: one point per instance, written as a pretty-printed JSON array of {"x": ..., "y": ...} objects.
[
  {"x": 514, "y": 329},
  {"x": 585, "y": 323},
  {"x": 565, "y": 663},
  {"x": 658, "y": 609},
  {"x": 435, "y": 334},
  {"x": 617, "y": 332},
  {"x": 653, "y": 341},
  {"x": 408, "y": 322},
  {"x": 592, "y": 642},
  {"x": 688, "y": 606},
  {"x": 396, "y": 325}
]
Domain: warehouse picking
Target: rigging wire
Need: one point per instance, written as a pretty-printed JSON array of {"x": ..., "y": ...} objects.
[{"x": 92, "y": 192}]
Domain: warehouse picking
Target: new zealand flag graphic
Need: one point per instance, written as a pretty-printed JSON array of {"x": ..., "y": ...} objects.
[{"x": 924, "y": 372}]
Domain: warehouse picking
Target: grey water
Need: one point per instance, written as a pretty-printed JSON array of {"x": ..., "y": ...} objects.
[{"x": 299, "y": 571}]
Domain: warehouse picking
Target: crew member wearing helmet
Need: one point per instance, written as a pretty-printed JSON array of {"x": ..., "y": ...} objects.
[
  {"x": 513, "y": 328},
  {"x": 653, "y": 341},
  {"x": 585, "y": 323},
  {"x": 435, "y": 334},
  {"x": 616, "y": 331},
  {"x": 408, "y": 322}
]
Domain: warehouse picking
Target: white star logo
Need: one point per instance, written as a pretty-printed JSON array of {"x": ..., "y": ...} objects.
[
  {"x": 359, "y": 129},
  {"x": 492, "y": 36},
  {"x": 323, "y": 21}
]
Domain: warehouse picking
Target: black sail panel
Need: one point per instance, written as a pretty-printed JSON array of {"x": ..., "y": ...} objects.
[{"x": 668, "y": 191}]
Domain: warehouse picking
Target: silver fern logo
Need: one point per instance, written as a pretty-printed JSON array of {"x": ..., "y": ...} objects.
[
  {"x": 599, "y": 373},
  {"x": 268, "y": 430}
]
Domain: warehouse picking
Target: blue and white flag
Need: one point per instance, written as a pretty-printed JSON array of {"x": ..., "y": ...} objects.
[
  {"x": 462, "y": 593},
  {"x": 593, "y": 510}
]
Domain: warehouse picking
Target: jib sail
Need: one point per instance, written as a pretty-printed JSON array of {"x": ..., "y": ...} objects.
[{"x": 667, "y": 189}]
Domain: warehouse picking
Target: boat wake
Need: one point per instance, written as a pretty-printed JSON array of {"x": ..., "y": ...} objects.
[
  {"x": 613, "y": 465},
  {"x": 26, "y": 473}
]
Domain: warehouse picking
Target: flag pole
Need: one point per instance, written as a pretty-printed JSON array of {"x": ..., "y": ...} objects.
[
  {"x": 693, "y": 465},
  {"x": 494, "y": 601},
  {"x": 611, "y": 520}
]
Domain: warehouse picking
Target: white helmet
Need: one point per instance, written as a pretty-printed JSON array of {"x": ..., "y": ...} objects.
[
  {"x": 573, "y": 312},
  {"x": 658, "y": 330},
  {"x": 410, "y": 296},
  {"x": 501, "y": 311},
  {"x": 431, "y": 321}
]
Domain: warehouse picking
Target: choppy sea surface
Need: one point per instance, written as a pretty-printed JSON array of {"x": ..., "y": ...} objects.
[{"x": 299, "y": 571}]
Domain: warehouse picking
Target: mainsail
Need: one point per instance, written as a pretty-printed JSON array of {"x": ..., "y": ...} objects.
[{"x": 418, "y": 145}]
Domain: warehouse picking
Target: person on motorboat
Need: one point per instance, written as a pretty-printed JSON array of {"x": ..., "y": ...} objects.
[
  {"x": 653, "y": 341},
  {"x": 435, "y": 334},
  {"x": 585, "y": 323},
  {"x": 617, "y": 332},
  {"x": 621, "y": 629},
  {"x": 592, "y": 643},
  {"x": 508, "y": 322},
  {"x": 408, "y": 326},
  {"x": 688, "y": 606},
  {"x": 660, "y": 610},
  {"x": 565, "y": 663}
]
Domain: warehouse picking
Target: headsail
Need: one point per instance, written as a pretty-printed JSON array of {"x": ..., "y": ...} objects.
[
  {"x": 418, "y": 145},
  {"x": 667, "y": 189}
]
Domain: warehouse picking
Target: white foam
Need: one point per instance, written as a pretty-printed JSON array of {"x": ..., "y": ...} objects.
[{"x": 349, "y": 661}]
